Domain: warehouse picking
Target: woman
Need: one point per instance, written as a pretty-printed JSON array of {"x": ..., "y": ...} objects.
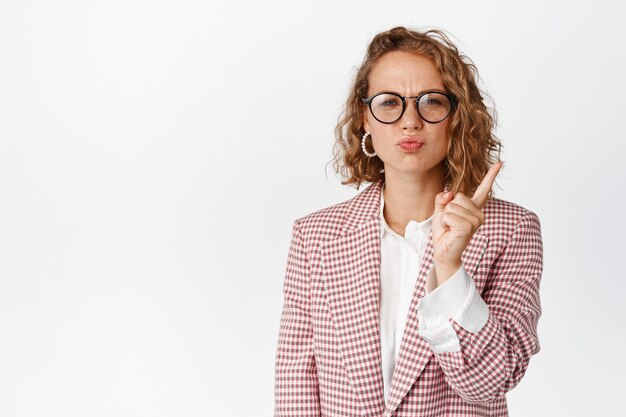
[{"x": 420, "y": 295}]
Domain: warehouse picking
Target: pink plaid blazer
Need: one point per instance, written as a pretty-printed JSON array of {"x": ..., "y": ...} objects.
[{"x": 328, "y": 359}]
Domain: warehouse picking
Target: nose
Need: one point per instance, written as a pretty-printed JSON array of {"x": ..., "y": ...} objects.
[{"x": 411, "y": 118}]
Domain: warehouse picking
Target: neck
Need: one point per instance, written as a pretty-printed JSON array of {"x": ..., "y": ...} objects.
[{"x": 410, "y": 197}]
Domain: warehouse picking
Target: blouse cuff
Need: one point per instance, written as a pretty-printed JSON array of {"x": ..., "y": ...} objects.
[{"x": 456, "y": 298}]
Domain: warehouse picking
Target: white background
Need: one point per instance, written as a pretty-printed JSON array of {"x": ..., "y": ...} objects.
[{"x": 154, "y": 154}]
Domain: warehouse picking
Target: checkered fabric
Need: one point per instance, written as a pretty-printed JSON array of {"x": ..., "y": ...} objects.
[{"x": 328, "y": 355}]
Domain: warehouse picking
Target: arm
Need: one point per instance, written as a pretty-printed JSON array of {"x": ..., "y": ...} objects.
[
  {"x": 493, "y": 359},
  {"x": 296, "y": 385}
]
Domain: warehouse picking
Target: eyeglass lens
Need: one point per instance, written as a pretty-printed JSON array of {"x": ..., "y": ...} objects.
[{"x": 432, "y": 107}]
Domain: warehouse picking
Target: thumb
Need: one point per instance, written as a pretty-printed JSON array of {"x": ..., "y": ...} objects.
[{"x": 441, "y": 200}]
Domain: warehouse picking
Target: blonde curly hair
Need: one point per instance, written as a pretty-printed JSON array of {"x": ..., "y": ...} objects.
[{"x": 472, "y": 148}]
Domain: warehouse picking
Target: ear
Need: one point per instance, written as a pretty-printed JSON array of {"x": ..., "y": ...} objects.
[{"x": 366, "y": 125}]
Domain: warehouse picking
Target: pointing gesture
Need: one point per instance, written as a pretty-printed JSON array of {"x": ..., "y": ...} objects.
[
  {"x": 456, "y": 219},
  {"x": 482, "y": 192}
]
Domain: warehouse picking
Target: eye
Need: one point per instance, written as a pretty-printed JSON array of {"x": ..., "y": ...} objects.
[
  {"x": 389, "y": 103},
  {"x": 433, "y": 102}
]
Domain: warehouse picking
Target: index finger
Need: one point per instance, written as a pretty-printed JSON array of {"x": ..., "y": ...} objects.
[{"x": 482, "y": 192}]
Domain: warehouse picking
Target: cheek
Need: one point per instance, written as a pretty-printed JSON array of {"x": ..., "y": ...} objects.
[
  {"x": 382, "y": 136},
  {"x": 444, "y": 136},
  {"x": 378, "y": 130}
]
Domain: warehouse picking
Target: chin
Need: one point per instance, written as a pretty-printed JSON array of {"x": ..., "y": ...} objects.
[{"x": 415, "y": 168}]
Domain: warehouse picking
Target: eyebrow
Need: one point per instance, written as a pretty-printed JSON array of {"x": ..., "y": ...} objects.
[{"x": 427, "y": 90}]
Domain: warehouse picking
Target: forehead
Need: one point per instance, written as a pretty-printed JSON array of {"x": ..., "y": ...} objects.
[{"x": 404, "y": 72}]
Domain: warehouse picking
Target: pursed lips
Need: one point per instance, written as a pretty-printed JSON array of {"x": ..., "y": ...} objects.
[{"x": 411, "y": 139}]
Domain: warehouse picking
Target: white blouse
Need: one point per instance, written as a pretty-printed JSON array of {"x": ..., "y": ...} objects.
[{"x": 401, "y": 257}]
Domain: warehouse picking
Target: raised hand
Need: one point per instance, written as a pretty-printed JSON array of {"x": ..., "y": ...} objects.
[{"x": 456, "y": 219}]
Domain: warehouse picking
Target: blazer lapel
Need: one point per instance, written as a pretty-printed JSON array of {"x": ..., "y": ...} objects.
[
  {"x": 351, "y": 269},
  {"x": 414, "y": 351}
]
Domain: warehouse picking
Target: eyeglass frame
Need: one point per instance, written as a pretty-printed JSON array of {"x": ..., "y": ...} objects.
[{"x": 451, "y": 98}]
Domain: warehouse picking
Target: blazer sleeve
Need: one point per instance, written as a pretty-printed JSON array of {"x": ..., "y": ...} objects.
[
  {"x": 493, "y": 360},
  {"x": 296, "y": 383}
]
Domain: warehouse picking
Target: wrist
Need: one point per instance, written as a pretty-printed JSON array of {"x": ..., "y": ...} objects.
[
  {"x": 444, "y": 270},
  {"x": 448, "y": 263}
]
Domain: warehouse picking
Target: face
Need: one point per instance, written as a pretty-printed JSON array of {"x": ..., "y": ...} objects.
[{"x": 407, "y": 74}]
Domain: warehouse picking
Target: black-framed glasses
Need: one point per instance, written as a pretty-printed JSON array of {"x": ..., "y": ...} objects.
[{"x": 432, "y": 106}]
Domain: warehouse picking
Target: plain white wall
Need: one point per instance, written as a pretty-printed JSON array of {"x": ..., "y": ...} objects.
[{"x": 154, "y": 154}]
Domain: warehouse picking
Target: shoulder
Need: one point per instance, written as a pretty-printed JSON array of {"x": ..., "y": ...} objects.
[
  {"x": 325, "y": 223},
  {"x": 327, "y": 214},
  {"x": 503, "y": 218},
  {"x": 330, "y": 222}
]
